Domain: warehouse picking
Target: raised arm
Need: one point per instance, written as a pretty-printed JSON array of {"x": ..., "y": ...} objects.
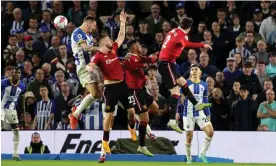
[{"x": 122, "y": 32}]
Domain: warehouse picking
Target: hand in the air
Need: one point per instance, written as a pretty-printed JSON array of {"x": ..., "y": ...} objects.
[{"x": 123, "y": 16}]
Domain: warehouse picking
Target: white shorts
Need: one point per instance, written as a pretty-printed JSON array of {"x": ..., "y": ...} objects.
[
  {"x": 9, "y": 116},
  {"x": 88, "y": 77},
  {"x": 114, "y": 113},
  {"x": 189, "y": 122}
]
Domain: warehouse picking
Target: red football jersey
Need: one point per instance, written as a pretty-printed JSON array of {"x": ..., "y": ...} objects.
[
  {"x": 175, "y": 41},
  {"x": 134, "y": 74},
  {"x": 109, "y": 64}
]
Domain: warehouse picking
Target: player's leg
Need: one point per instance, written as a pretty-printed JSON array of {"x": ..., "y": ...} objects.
[
  {"x": 169, "y": 77},
  {"x": 89, "y": 81},
  {"x": 12, "y": 119},
  {"x": 188, "y": 125},
  {"x": 207, "y": 127},
  {"x": 153, "y": 107},
  {"x": 182, "y": 82}
]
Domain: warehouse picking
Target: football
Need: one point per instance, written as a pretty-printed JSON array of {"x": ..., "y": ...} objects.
[{"x": 60, "y": 22}]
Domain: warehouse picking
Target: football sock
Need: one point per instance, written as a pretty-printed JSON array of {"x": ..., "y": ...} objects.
[
  {"x": 106, "y": 136},
  {"x": 87, "y": 101},
  {"x": 188, "y": 150},
  {"x": 173, "y": 105},
  {"x": 206, "y": 145},
  {"x": 187, "y": 93},
  {"x": 102, "y": 152},
  {"x": 15, "y": 141},
  {"x": 148, "y": 130},
  {"x": 142, "y": 133}
]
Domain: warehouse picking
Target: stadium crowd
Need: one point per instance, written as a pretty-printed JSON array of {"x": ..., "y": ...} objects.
[{"x": 240, "y": 70}]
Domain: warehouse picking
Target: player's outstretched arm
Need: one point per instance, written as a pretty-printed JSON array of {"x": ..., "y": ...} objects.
[{"x": 122, "y": 32}]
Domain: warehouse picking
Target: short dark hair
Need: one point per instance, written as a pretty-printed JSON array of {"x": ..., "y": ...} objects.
[
  {"x": 250, "y": 32},
  {"x": 195, "y": 65},
  {"x": 88, "y": 18},
  {"x": 272, "y": 54},
  {"x": 261, "y": 62},
  {"x": 8, "y": 68},
  {"x": 186, "y": 23},
  {"x": 10, "y": 36},
  {"x": 15, "y": 68},
  {"x": 152, "y": 67},
  {"x": 244, "y": 88},
  {"x": 43, "y": 86},
  {"x": 222, "y": 10},
  {"x": 247, "y": 64}
]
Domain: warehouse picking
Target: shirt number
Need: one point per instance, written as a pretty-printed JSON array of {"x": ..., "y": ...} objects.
[
  {"x": 168, "y": 38},
  {"x": 131, "y": 100}
]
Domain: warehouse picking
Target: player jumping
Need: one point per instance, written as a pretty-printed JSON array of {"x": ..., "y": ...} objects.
[
  {"x": 136, "y": 80},
  {"x": 11, "y": 89},
  {"x": 192, "y": 116},
  {"x": 172, "y": 47},
  {"x": 82, "y": 44},
  {"x": 115, "y": 88}
]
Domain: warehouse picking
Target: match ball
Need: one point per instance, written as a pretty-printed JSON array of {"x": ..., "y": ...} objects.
[{"x": 60, "y": 22}]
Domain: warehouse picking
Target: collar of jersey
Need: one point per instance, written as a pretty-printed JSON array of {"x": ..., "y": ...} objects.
[
  {"x": 14, "y": 84},
  {"x": 195, "y": 81}
]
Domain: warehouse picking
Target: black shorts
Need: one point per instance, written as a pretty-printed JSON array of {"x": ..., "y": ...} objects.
[
  {"x": 142, "y": 100},
  {"x": 168, "y": 73},
  {"x": 116, "y": 92}
]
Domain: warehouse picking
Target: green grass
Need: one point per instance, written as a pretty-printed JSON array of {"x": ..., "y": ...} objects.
[{"x": 113, "y": 163}]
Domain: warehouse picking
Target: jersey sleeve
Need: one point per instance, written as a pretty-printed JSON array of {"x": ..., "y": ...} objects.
[
  {"x": 79, "y": 37},
  {"x": 96, "y": 59},
  {"x": 205, "y": 100},
  {"x": 183, "y": 39}
]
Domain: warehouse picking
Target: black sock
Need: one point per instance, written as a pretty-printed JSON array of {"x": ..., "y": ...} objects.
[
  {"x": 173, "y": 106},
  {"x": 131, "y": 124},
  {"x": 187, "y": 93},
  {"x": 106, "y": 136},
  {"x": 142, "y": 133}
]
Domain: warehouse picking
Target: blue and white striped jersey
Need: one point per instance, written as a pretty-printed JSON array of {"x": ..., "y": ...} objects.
[
  {"x": 43, "y": 110},
  {"x": 93, "y": 118},
  {"x": 10, "y": 93},
  {"x": 200, "y": 92},
  {"x": 82, "y": 57}
]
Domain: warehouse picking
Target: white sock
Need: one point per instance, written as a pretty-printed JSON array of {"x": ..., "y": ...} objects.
[
  {"x": 172, "y": 121},
  {"x": 188, "y": 150},
  {"x": 206, "y": 145},
  {"x": 148, "y": 130},
  {"x": 102, "y": 152},
  {"x": 87, "y": 101},
  {"x": 15, "y": 141}
]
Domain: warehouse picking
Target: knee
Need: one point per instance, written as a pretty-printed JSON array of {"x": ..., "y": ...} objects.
[
  {"x": 210, "y": 133},
  {"x": 175, "y": 91}
]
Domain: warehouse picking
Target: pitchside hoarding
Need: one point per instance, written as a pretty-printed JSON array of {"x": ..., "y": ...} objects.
[{"x": 242, "y": 147}]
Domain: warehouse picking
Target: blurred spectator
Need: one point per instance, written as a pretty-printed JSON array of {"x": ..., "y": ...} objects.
[
  {"x": 192, "y": 56},
  {"x": 57, "y": 9},
  {"x": 63, "y": 56},
  {"x": 253, "y": 61},
  {"x": 143, "y": 35},
  {"x": 28, "y": 47},
  {"x": 48, "y": 77},
  {"x": 250, "y": 81},
  {"x": 207, "y": 39},
  {"x": 144, "y": 50},
  {"x": 61, "y": 99},
  {"x": 157, "y": 44},
  {"x": 249, "y": 42},
  {"x": 30, "y": 104},
  {"x": 234, "y": 94},
  {"x": 166, "y": 27},
  {"x": 18, "y": 22},
  {"x": 7, "y": 72},
  {"x": 19, "y": 36},
  {"x": 10, "y": 51},
  {"x": 66, "y": 40},
  {"x": 76, "y": 13},
  {"x": 245, "y": 53},
  {"x": 47, "y": 22},
  {"x": 19, "y": 59},
  {"x": 265, "y": 8},
  {"x": 268, "y": 85},
  {"x": 56, "y": 87},
  {"x": 155, "y": 20},
  {"x": 221, "y": 17},
  {"x": 203, "y": 12},
  {"x": 32, "y": 12},
  {"x": 36, "y": 61},
  {"x": 262, "y": 127},
  {"x": 159, "y": 120},
  {"x": 64, "y": 123},
  {"x": 44, "y": 111},
  {"x": 198, "y": 37},
  {"x": 27, "y": 74},
  {"x": 220, "y": 83},
  {"x": 262, "y": 55},
  {"x": 73, "y": 78},
  {"x": 44, "y": 42},
  {"x": 27, "y": 123},
  {"x": 36, "y": 146},
  {"x": 34, "y": 86},
  {"x": 270, "y": 69},
  {"x": 129, "y": 36},
  {"x": 235, "y": 29},
  {"x": 260, "y": 72},
  {"x": 239, "y": 61},
  {"x": 231, "y": 72},
  {"x": 219, "y": 110},
  {"x": 257, "y": 19},
  {"x": 268, "y": 25},
  {"x": 211, "y": 84},
  {"x": 244, "y": 112},
  {"x": 249, "y": 27},
  {"x": 266, "y": 111},
  {"x": 180, "y": 13},
  {"x": 33, "y": 29}
]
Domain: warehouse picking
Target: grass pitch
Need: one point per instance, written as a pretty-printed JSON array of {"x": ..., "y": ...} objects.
[{"x": 113, "y": 163}]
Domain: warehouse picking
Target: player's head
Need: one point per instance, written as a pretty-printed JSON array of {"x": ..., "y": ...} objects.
[
  {"x": 134, "y": 47},
  {"x": 43, "y": 91},
  {"x": 195, "y": 71},
  {"x": 105, "y": 41},
  {"x": 16, "y": 74},
  {"x": 89, "y": 24},
  {"x": 186, "y": 23},
  {"x": 36, "y": 138}
]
